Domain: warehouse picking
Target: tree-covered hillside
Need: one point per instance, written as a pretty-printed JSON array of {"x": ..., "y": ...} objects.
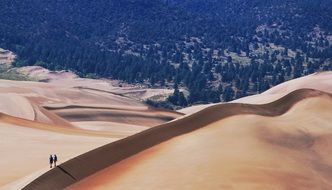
[{"x": 217, "y": 49}]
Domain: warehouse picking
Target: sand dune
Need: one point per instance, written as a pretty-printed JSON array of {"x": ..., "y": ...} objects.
[
  {"x": 119, "y": 128},
  {"x": 134, "y": 115},
  {"x": 66, "y": 99},
  {"x": 141, "y": 118},
  {"x": 16, "y": 105},
  {"x": 25, "y": 148},
  {"x": 60, "y": 105},
  {"x": 194, "y": 152},
  {"x": 55, "y": 128},
  {"x": 37, "y": 119},
  {"x": 71, "y": 116},
  {"x": 241, "y": 152},
  {"x": 25, "y": 145},
  {"x": 71, "y": 80}
]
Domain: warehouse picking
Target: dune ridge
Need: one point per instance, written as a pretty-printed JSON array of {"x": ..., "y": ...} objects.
[
  {"x": 48, "y": 102},
  {"x": 86, "y": 164},
  {"x": 143, "y": 116},
  {"x": 54, "y": 128}
]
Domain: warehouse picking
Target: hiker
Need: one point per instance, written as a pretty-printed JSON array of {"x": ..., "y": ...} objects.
[
  {"x": 55, "y": 159},
  {"x": 51, "y": 161}
]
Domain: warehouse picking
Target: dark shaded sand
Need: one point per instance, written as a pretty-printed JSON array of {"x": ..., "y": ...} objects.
[
  {"x": 147, "y": 117},
  {"x": 59, "y": 104},
  {"x": 117, "y": 165}
]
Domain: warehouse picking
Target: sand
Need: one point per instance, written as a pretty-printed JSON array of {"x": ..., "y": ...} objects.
[
  {"x": 61, "y": 104},
  {"x": 15, "y": 105},
  {"x": 38, "y": 118},
  {"x": 192, "y": 109},
  {"x": 120, "y": 128},
  {"x": 106, "y": 139},
  {"x": 25, "y": 150},
  {"x": 140, "y": 116},
  {"x": 72, "y": 113},
  {"x": 246, "y": 152},
  {"x": 71, "y": 80},
  {"x": 195, "y": 151}
]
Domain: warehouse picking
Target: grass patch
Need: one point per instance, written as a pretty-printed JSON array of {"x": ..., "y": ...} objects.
[{"x": 8, "y": 73}]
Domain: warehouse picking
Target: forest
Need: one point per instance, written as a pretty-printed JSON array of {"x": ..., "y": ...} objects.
[{"x": 215, "y": 50}]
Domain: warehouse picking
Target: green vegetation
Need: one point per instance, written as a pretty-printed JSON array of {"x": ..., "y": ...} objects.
[
  {"x": 217, "y": 50},
  {"x": 11, "y": 74}
]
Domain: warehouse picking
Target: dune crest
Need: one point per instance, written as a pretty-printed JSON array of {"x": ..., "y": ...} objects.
[
  {"x": 63, "y": 104},
  {"x": 109, "y": 156},
  {"x": 65, "y": 116}
]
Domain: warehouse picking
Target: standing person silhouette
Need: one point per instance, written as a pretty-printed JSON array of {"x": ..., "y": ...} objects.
[
  {"x": 51, "y": 161},
  {"x": 55, "y": 159}
]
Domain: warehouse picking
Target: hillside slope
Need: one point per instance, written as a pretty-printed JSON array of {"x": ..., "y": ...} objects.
[
  {"x": 246, "y": 47},
  {"x": 244, "y": 152},
  {"x": 150, "y": 148},
  {"x": 68, "y": 117},
  {"x": 70, "y": 105}
]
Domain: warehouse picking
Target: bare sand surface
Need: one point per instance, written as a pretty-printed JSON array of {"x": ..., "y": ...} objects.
[
  {"x": 71, "y": 80},
  {"x": 13, "y": 104},
  {"x": 68, "y": 116},
  {"x": 291, "y": 151},
  {"x": 25, "y": 150},
  {"x": 212, "y": 149},
  {"x": 141, "y": 118},
  {"x": 121, "y": 128},
  {"x": 59, "y": 104},
  {"x": 66, "y": 97},
  {"x": 280, "y": 145},
  {"x": 192, "y": 109}
]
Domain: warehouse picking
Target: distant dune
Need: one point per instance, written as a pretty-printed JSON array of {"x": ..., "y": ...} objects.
[
  {"x": 280, "y": 145},
  {"x": 68, "y": 118},
  {"x": 61, "y": 105}
]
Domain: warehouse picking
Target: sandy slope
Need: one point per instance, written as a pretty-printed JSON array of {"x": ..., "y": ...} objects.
[
  {"x": 37, "y": 119},
  {"x": 220, "y": 147},
  {"x": 292, "y": 151},
  {"x": 26, "y": 144},
  {"x": 13, "y": 104},
  {"x": 141, "y": 116},
  {"x": 192, "y": 109},
  {"x": 25, "y": 149},
  {"x": 61, "y": 104},
  {"x": 70, "y": 80},
  {"x": 72, "y": 116},
  {"x": 121, "y": 128},
  {"x": 319, "y": 81}
]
